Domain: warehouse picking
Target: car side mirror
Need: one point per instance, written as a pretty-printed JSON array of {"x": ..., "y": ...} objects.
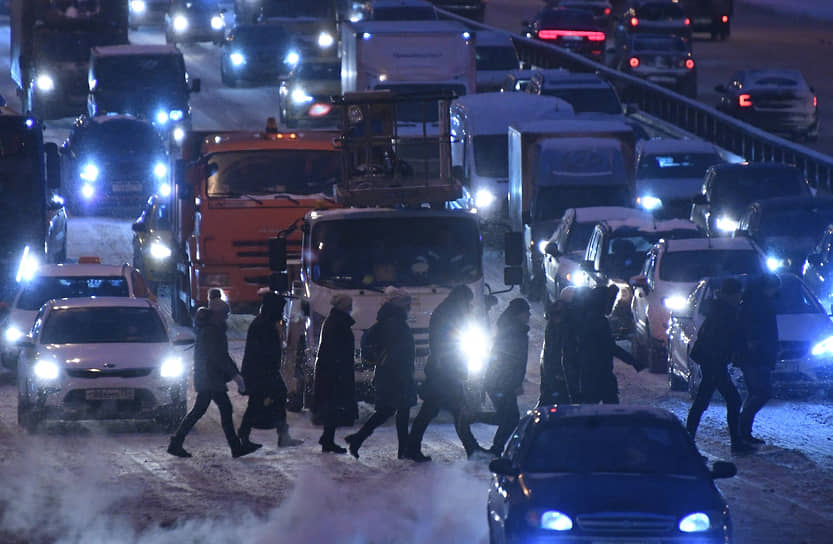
[
  {"x": 183, "y": 338},
  {"x": 700, "y": 199},
  {"x": 196, "y": 85},
  {"x": 552, "y": 248},
  {"x": 723, "y": 469},
  {"x": 139, "y": 226},
  {"x": 502, "y": 466},
  {"x": 639, "y": 281},
  {"x": 720, "y": 88}
]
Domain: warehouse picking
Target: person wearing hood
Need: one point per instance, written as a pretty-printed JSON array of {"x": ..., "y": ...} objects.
[
  {"x": 334, "y": 381},
  {"x": 389, "y": 346},
  {"x": 506, "y": 370},
  {"x": 213, "y": 368},
  {"x": 261, "y": 371},
  {"x": 560, "y": 380}
]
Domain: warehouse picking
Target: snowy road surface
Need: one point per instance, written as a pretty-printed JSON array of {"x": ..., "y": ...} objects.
[{"x": 94, "y": 483}]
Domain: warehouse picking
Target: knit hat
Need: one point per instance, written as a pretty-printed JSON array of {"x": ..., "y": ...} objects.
[
  {"x": 341, "y": 302},
  {"x": 398, "y": 297},
  {"x": 518, "y": 306}
]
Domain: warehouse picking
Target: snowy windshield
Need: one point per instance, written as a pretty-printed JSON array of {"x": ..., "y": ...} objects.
[
  {"x": 491, "y": 157},
  {"x": 376, "y": 252},
  {"x": 103, "y": 325},
  {"x": 43, "y": 288},
  {"x": 676, "y": 165},
  {"x": 496, "y": 58},
  {"x": 692, "y": 266},
  {"x": 236, "y": 173},
  {"x": 598, "y": 444}
]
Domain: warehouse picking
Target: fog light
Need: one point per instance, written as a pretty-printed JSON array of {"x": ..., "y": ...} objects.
[{"x": 165, "y": 190}]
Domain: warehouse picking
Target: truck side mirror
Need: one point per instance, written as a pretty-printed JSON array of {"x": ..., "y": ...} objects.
[
  {"x": 513, "y": 248},
  {"x": 277, "y": 254},
  {"x": 139, "y": 226},
  {"x": 196, "y": 85},
  {"x": 513, "y": 275},
  {"x": 279, "y": 282},
  {"x": 53, "y": 166}
]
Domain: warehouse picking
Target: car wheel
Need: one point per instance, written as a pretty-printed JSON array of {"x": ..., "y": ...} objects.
[
  {"x": 675, "y": 383},
  {"x": 695, "y": 376}
]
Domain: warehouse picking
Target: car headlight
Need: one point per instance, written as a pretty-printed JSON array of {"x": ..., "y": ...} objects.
[
  {"x": 237, "y": 59},
  {"x": 172, "y": 367},
  {"x": 649, "y": 203},
  {"x": 46, "y": 370},
  {"x": 87, "y": 191},
  {"x": 299, "y": 96},
  {"x": 553, "y": 520},
  {"x": 474, "y": 344},
  {"x": 13, "y": 334},
  {"x": 774, "y": 263},
  {"x": 484, "y": 198},
  {"x": 179, "y": 134},
  {"x": 138, "y": 6},
  {"x": 28, "y": 266},
  {"x": 726, "y": 224},
  {"x": 162, "y": 117},
  {"x": 292, "y": 58},
  {"x": 89, "y": 172},
  {"x": 176, "y": 115},
  {"x": 165, "y": 190},
  {"x": 180, "y": 23},
  {"x": 325, "y": 40},
  {"x": 160, "y": 170},
  {"x": 675, "y": 302},
  {"x": 695, "y": 523},
  {"x": 45, "y": 83},
  {"x": 217, "y": 23},
  {"x": 825, "y": 347},
  {"x": 580, "y": 278},
  {"x": 542, "y": 246},
  {"x": 159, "y": 251}
]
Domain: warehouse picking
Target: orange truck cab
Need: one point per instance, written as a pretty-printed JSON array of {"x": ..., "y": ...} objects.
[{"x": 236, "y": 190}]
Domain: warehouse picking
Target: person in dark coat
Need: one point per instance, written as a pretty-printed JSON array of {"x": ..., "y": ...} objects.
[
  {"x": 334, "y": 381},
  {"x": 760, "y": 350},
  {"x": 261, "y": 371},
  {"x": 596, "y": 347},
  {"x": 445, "y": 373},
  {"x": 717, "y": 341},
  {"x": 213, "y": 368},
  {"x": 505, "y": 373},
  {"x": 393, "y": 380},
  {"x": 560, "y": 379}
]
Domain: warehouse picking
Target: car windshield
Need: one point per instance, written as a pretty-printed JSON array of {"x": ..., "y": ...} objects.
[
  {"x": 662, "y": 11},
  {"x": 237, "y": 173},
  {"x": 148, "y": 72},
  {"x": 496, "y": 58},
  {"x": 318, "y": 71},
  {"x": 660, "y": 43},
  {"x": 409, "y": 13},
  {"x": 579, "y": 236},
  {"x": 417, "y": 112},
  {"x": 103, "y": 325},
  {"x": 794, "y": 223},
  {"x": 119, "y": 139},
  {"x": 376, "y": 252},
  {"x": 604, "y": 445},
  {"x": 692, "y": 266},
  {"x": 738, "y": 188},
  {"x": 43, "y": 288},
  {"x": 676, "y": 165},
  {"x": 572, "y": 19},
  {"x": 490, "y": 156},
  {"x": 625, "y": 253},
  {"x": 598, "y": 99},
  {"x": 261, "y": 35},
  {"x": 552, "y": 202},
  {"x": 795, "y": 298}
]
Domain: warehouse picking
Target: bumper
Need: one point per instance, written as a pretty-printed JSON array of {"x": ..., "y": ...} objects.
[
  {"x": 782, "y": 123},
  {"x": 801, "y": 375},
  {"x": 665, "y": 76}
]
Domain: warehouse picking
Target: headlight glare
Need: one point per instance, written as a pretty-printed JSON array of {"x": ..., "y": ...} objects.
[
  {"x": 484, "y": 198},
  {"x": 675, "y": 302},
  {"x": 160, "y": 251},
  {"x": 13, "y": 334},
  {"x": 649, "y": 203},
  {"x": 695, "y": 523},
  {"x": 179, "y": 134},
  {"x": 46, "y": 370},
  {"x": 162, "y": 117},
  {"x": 89, "y": 172},
  {"x": 825, "y": 347},
  {"x": 217, "y": 23},
  {"x": 45, "y": 83},
  {"x": 138, "y": 6},
  {"x": 292, "y": 58},
  {"x": 28, "y": 266},
  {"x": 172, "y": 367},
  {"x": 160, "y": 170},
  {"x": 727, "y": 224},
  {"x": 87, "y": 191},
  {"x": 474, "y": 344},
  {"x": 176, "y": 115},
  {"x": 325, "y": 40},
  {"x": 165, "y": 190},
  {"x": 237, "y": 59},
  {"x": 180, "y": 23},
  {"x": 774, "y": 263},
  {"x": 553, "y": 520},
  {"x": 299, "y": 96},
  {"x": 542, "y": 246}
]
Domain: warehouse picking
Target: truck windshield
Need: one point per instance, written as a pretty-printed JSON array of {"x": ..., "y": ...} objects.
[
  {"x": 376, "y": 252},
  {"x": 56, "y": 45},
  {"x": 121, "y": 137},
  {"x": 417, "y": 112},
  {"x": 103, "y": 325},
  {"x": 676, "y": 165},
  {"x": 140, "y": 71},
  {"x": 490, "y": 156},
  {"x": 552, "y": 202},
  {"x": 274, "y": 171}
]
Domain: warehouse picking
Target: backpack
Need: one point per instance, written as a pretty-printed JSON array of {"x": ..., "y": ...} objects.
[{"x": 374, "y": 351}]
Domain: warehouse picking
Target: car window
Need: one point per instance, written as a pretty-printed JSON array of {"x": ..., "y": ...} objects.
[
  {"x": 795, "y": 298},
  {"x": 625, "y": 255},
  {"x": 495, "y": 58},
  {"x": 103, "y": 325},
  {"x": 676, "y": 165},
  {"x": 578, "y": 237},
  {"x": 44, "y": 288},
  {"x": 737, "y": 188},
  {"x": 692, "y": 266}
]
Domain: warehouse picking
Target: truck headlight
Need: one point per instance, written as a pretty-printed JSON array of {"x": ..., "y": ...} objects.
[
  {"x": 89, "y": 172},
  {"x": 299, "y": 96},
  {"x": 46, "y": 370},
  {"x": 484, "y": 198},
  {"x": 138, "y": 6},
  {"x": 726, "y": 224},
  {"x": 13, "y": 334},
  {"x": 45, "y": 83},
  {"x": 180, "y": 23},
  {"x": 160, "y": 170},
  {"x": 172, "y": 367},
  {"x": 649, "y": 203},
  {"x": 774, "y": 263},
  {"x": 162, "y": 117},
  {"x": 176, "y": 115},
  {"x": 159, "y": 251},
  {"x": 325, "y": 40},
  {"x": 217, "y": 23},
  {"x": 542, "y": 246},
  {"x": 165, "y": 190},
  {"x": 825, "y": 347},
  {"x": 474, "y": 344},
  {"x": 28, "y": 266},
  {"x": 697, "y": 522},
  {"x": 675, "y": 302},
  {"x": 292, "y": 58},
  {"x": 237, "y": 59},
  {"x": 179, "y": 134},
  {"x": 553, "y": 520}
]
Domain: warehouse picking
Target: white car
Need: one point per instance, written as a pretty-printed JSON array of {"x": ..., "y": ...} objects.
[
  {"x": 54, "y": 281},
  {"x": 671, "y": 271},
  {"x": 101, "y": 358},
  {"x": 805, "y": 339}
]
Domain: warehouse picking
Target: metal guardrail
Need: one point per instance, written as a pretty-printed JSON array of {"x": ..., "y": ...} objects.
[{"x": 694, "y": 117}]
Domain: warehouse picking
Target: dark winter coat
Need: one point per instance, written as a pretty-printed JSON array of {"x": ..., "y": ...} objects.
[
  {"x": 719, "y": 337},
  {"x": 446, "y": 369},
  {"x": 507, "y": 360},
  {"x": 334, "y": 379},
  {"x": 213, "y": 367},
  {"x": 393, "y": 379},
  {"x": 559, "y": 360},
  {"x": 262, "y": 358},
  {"x": 759, "y": 326}
]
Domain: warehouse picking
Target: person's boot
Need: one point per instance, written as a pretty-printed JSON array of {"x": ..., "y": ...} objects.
[
  {"x": 244, "y": 441},
  {"x": 754, "y": 440},
  {"x": 414, "y": 454},
  {"x": 330, "y": 446},
  {"x": 285, "y": 440},
  {"x": 354, "y": 442},
  {"x": 175, "y": 447},
  {"x": 239, "y": 449},
  {"x": 740, "y": 447}
]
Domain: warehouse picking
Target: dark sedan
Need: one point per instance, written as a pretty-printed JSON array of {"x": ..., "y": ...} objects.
[
  {"x": 601, "y": 9},
  {"x": 256, "y": 54},
  {"x": 653, "y": 17},
  {"x": 778, "y": 101},
  {"x": 662, "y": 59},
  {"x": 571, "y": 29},
  {"x": 189, "y": 21},
  {"x": 605, "y": 474}
]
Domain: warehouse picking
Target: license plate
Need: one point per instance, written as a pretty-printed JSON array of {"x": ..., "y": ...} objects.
[
  {"x": 661, "y": 79},
  {"x": 110, "y": 394},
  {"x": 126, "y": 187},
  {"x": 571, "y": 38}
]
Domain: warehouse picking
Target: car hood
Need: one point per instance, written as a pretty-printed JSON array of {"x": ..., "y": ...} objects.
[
  {"x": 803, "y": 327},
  {"x": 96, "y": 356},
  {"x": 671, "y": 188},
  {"x": 576, "y": 494}
]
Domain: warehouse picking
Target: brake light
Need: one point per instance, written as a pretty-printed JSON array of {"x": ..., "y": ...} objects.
[
  {"x": 725, "y": 18},
  {"x": 634, "y": 62},
  {"x": 687, "y": 21},
  {"x": 634, "y": 21},
  {"x": 592, "y": 35},
  {"x": 744, "y": 101},
  {"x": 689, "y": 63},
  {"x": 815, "y": 102},
  {"x": 607, "y": 11}
]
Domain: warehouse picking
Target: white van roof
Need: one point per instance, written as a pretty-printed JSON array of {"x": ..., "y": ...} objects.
[
  {"x": 571, "y": 125},
  {"x": 492, "y": 113}
]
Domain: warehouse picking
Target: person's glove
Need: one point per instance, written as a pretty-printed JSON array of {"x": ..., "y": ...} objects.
[{"x": 241, "y": 384}]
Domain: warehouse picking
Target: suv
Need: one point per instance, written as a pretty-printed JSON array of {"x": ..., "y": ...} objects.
[
  {"x": 88, "y": 278},
  {"x": 195, "y": 21},
  {"x": 585, "y": 92},
  {"x": 670, "y": 272},
  {"x": 655, "y": 17},
  {"x": 729, "y": 188}
]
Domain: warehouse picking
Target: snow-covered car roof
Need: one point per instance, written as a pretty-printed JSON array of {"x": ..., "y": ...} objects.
[
  {"x": 646, "y": 223},
  {"x": 81, "y": 270},
  {"x": 127, "y": 50},
  {"x": 669, "y": 145},
  {"x": 605, "y": 410},
  {"x": 603, "y": 213},
  {"x": 101, "y": 302},
  {"x": 706, "y": 244},
  {"x": 492, "y": 113}
]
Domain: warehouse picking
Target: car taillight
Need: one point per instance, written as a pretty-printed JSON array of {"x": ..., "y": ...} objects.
[
  {"x": 634, "y": 21},
  {"x": 744, "y": 101},
  {"x": 607, "y": 11},
  {"x": 689, "y": 63},
  {"x": 687, "y": 21},
  {"x": 815, "y": 102},
  {"x": 591, "y": 35},
  {"x": 725, "y": 18},
  {"x": 634, "y": 62}
]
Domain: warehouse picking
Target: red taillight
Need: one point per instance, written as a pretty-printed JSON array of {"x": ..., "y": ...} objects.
[
  {"x": 725, "y": 18},
  {"x": 744, "y": 101},
  {"x": 815, "y": 102},
  {"x": 591, "y": 35},
  {"x": 634, "y": 62},
  {"x": 607, "y": 11},
  {"x": 689, "y": 63},
  {"x": 634, "y": 21},
  {"x": 687, "y": 21}
]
